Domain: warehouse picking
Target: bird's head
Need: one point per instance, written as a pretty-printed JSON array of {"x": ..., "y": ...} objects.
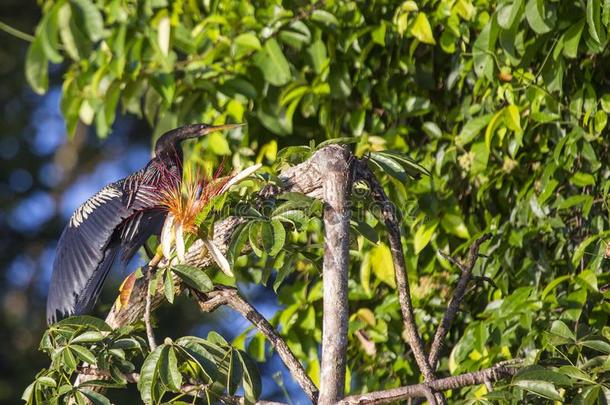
[{"x": 169, "y": 142}]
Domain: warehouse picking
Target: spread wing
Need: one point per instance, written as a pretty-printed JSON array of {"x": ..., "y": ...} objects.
[{"x": 102, "y": 227}]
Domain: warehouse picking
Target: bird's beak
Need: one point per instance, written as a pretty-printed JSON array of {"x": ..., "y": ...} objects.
[{"x": 209, "y": 129}]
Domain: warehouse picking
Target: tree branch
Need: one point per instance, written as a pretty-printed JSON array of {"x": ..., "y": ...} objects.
[
  {"x": 457, "y": 298},
  {"x": 402, "y": 282},
  {"x": 306, "y": 178},
  {"x": 337, "y": 184},
  {"x": 222, "y": 295},
  {"x": 493, "y": 374}
]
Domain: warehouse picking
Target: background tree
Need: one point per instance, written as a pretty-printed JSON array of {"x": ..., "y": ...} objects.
[{"x": 504, "y": 103}]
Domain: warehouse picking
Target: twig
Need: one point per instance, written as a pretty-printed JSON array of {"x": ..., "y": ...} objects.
[
  {"x": 493, "y": 374},
  {"x": 230, "y": 297},
  {"x": 337, "y": 175},
  {"x": 402, "y": 282},
  {"x": 456, "y": 299},
  {"x": 15, "y": 32},
  {"x": 150, "y": 333}
]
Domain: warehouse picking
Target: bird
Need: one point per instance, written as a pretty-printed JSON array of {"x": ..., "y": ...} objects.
[{"x": 116, "y": 221}]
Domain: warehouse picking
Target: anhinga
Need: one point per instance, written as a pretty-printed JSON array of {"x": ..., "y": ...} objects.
[{"x": 117, "y": 220}]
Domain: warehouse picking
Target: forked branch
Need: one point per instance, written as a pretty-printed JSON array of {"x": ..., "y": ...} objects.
[
  {"x": 402, "y": 282},
  {"x": 229, "y": 296},
  {"x": 457, "y": 298}
]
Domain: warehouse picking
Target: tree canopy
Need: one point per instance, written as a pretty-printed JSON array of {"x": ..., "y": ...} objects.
[{"x": 478, "y": 117}]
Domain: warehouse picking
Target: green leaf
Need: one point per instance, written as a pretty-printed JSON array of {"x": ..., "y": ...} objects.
[
  {"x": 600, "y": 121},
  {"x": 389, "y": 166},
  {"x": 273, "y": 63},
  {"x": 472, "y": 129},
  {"x": 324, "y": 17},
  {"x": 508, "y": 13},
  {"x": 497, "y": 119},
  {"x": 93, "y": 22},
  {"x": 594, "y": 20},
  {"x": 238, "y": 241},
  {"x": 365, "y": 230},
  {"x": 95, "y": 397},
  {"x": 534, "y": 373},
  {"x": 484, "y": 48},
  {"x": 422, "y": 30},
  {"x": 168, "y": 369},
  {"x": 83, "y": 353},
  {"x": 454, "y": 224},
  {"x": 165, "y": 86},
  {"x": 414, "y": 169},
  {"x": 581, "y": 179},
  {"x": 234, "y": 373},
  {"x": 86, "y": 321},
  {"x": 598, "y": 345},
  {"x": 73, "y": 39},
  {"x": 46, "y": 381},
  {"x": 89, "y": 336},
  {"x": 168, "y": 287},
  {"x": 378, "y": 34},
  {"x": 274, "y": 237},
  {"x": 382, "y": 264},
  {"x": 69, "y": 359},
  {"x": 248, "y": 41},
  {"x": 560, "y": 329},
  {"x": 481, "y": 157},
  {"x": 571, "y": 39},
  {"x": 36, "y": 67},
  {"x": 218, "y": 144},
  {"x": 423, "y": 235},
  {"x": 251, "y": 377},
  {"x": 588, "y": 279},
  {"x": 543, "y": 388},
  {"x": 148, "y": 375},
  {"x": 48, "y": 31},
  {"x": 553, "y": 284},
  {"x": 540, "y": 15},
  {"x": 575, "y": 373},
  {"x": 318, "y": 56},
  {"x": 254, "y": 235},
  {"x": 512, "y": 117},
  {"x": 28, "y": 393},
  {"x": 194, "y": 277}
]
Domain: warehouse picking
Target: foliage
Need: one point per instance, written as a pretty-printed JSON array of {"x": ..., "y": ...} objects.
[
  {"x": 208, "y": 368},
  {"x": 503, "y": 102}
]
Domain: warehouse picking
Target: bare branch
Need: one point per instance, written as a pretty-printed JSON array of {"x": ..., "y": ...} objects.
[
  {"x": 229, "y": 296},
  {"x": 150, "y": 269},
  {"x": 457, "y": 298},
  {"x": 493, "y": 374},
  {"x": 402, "y": 282},
  {"x": 337, "y": 174}
]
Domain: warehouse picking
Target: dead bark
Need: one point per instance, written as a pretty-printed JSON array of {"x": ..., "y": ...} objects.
[{"x": 337, "y": 184}]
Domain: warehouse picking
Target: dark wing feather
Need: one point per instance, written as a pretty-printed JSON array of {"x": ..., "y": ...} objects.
[
  {"x": 85, "y": 253},
  {"x": 136, "y": 231},
  {"x": 119, "y": 218}
]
